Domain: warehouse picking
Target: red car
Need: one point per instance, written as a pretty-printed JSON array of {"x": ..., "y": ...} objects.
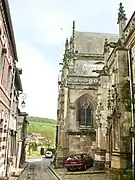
[{"x": 78, "y": 162}]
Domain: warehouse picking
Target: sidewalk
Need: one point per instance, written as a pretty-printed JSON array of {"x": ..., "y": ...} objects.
[
  {"x": 63, "y": 174},
  {"x": 18, "y": 172}
]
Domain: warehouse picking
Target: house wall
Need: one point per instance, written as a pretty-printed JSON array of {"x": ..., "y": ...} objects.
[{"x": 7, "y": 74}]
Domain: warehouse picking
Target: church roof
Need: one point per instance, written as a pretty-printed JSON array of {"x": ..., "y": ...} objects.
[{"x": 91, "y": 42}]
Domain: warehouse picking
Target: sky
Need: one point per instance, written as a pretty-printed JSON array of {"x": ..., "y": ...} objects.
[{"x": 40, "y": 28}]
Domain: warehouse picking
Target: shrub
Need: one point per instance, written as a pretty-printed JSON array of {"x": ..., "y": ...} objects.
[{"x": 42, "y": 152}]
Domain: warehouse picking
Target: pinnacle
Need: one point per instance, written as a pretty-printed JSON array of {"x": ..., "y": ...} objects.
[
  {"x": 66, "y": 44},
  {"x": 121, "y": 14},
  {"x": 73, "y": 24},
  {"x": 106, "y": 42}
]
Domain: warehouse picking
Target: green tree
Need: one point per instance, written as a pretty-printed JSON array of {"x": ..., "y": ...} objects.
[{"x": 32, "y": 146}]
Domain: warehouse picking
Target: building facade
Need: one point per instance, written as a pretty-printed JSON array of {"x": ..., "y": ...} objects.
[
  {"x": 10, "y": 88},
  {"x": 114, "y": 150},
  {"x": 114, "y": 139},
  {"x": 78, "y": 91},
  {"x": 94, "y": 106}
]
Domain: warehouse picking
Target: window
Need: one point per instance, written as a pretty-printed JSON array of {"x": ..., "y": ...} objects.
[
  {"x": 85, "y": 116},
  {"x": 12, "y": 143},
  {"x": 8, "y": 79},
  {"x": 1, "y": 65},
  {"x": 116, "y": 134}
]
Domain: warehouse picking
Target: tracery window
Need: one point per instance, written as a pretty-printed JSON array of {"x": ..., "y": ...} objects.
[
  {"x": 116, "y": 134},
  {"x": 85, "y": 116}
]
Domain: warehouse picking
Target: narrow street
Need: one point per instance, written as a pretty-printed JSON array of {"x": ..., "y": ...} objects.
[{"x": 37, "y": 169}]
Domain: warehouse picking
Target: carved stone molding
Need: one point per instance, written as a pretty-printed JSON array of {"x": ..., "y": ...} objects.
[
  {"x": 71, "y": 106},
  {"x": 83, "y": 80},
  {"x": 4, "y": 50}
]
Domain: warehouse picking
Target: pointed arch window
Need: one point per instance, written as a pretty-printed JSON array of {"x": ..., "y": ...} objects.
[{"x": 85, "y": 116}]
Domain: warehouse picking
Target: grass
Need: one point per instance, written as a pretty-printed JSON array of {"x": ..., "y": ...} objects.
[
  {"x": 39, "y": 119},
  {"x": 35, "y": 153},
  {"x": 41, "y": 127}
]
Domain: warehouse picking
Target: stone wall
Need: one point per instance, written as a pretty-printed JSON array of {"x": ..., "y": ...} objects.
[{"x": 80, "y": 143}]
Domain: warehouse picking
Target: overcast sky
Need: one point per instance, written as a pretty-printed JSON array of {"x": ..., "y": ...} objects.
[{"x": 40, "y": 28}]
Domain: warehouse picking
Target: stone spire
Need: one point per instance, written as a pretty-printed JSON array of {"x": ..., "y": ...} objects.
[
  {"x": 71, "y": 39},
  {"x": 106, "y": 47},
  {"x": 121, "y": 19},
  {"x": 66, "y": 52},
  {"x": 71, "y": 43},
  {"x": 66, "y": 45},
  {"x": 73, "y": 34},
  {"x": 106, "y": 51}
]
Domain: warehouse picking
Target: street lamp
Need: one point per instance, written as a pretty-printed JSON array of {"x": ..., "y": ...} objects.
[
  {"x": 23, "y": 97},
  {"x": 23, "y": 104}
]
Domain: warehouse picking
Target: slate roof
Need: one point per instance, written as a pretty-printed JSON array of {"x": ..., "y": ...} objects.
[{"x": 91, "y": 42}]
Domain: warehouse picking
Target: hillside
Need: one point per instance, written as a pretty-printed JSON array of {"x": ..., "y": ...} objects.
[
  {"x": 41, "y": 125},
  {"x": 40, "y": 119}
]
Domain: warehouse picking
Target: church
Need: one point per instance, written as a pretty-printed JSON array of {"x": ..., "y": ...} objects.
[{"x": 93, "y": 113}]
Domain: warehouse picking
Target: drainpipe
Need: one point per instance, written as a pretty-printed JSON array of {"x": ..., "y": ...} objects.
[{"x": 132, "y": 110}]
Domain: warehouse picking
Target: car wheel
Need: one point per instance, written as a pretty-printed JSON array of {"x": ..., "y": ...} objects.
[
  {"x": 85, "y": 167},
  {"x": 91, "y": 165}
]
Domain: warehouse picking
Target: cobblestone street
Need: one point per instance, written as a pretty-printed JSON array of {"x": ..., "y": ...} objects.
[{"x": 37, "y": 169}]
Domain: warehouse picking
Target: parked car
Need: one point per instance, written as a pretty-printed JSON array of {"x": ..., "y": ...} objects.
[
  {"x": 78, "y": 162},
  {"x": 48, "y": 154}
]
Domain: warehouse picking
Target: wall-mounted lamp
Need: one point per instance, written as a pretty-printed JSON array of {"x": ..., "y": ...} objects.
[{"x": 23, "y": 97}]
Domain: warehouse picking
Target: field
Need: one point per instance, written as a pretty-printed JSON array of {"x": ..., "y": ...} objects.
[
  {"x": 41, "y": 127},
  {"x": 40, "y": 119}
]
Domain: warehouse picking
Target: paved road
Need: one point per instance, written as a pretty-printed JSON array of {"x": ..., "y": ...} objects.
[{"x": 37, "y": 170}]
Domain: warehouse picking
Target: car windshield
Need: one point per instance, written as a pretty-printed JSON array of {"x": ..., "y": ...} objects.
[
  {"x": 76, "y": 156},
  {"x": 48, "y": 152}
]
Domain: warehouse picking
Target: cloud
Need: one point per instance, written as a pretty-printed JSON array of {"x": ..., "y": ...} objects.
[
  {"x": 39, "y": 81},
  {"x": 40, "y": 30},
  {"x": 42, "y": 22}
]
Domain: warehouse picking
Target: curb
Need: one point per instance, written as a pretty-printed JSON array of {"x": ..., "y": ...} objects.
[
  {"x": 76, "y": 173},
  {"x": 86, "y": 172},
  {"x": 22, "y": 171},
  {"x": 53, "y": 171}
]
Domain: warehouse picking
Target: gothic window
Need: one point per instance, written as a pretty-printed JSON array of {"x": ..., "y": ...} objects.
[
  {"x": 116, "y": 134},
  {"x": 85, "y": 114}
]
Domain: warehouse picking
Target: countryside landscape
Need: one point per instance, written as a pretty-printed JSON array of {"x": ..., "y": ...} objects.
[{"x": 41, "y": 135}]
